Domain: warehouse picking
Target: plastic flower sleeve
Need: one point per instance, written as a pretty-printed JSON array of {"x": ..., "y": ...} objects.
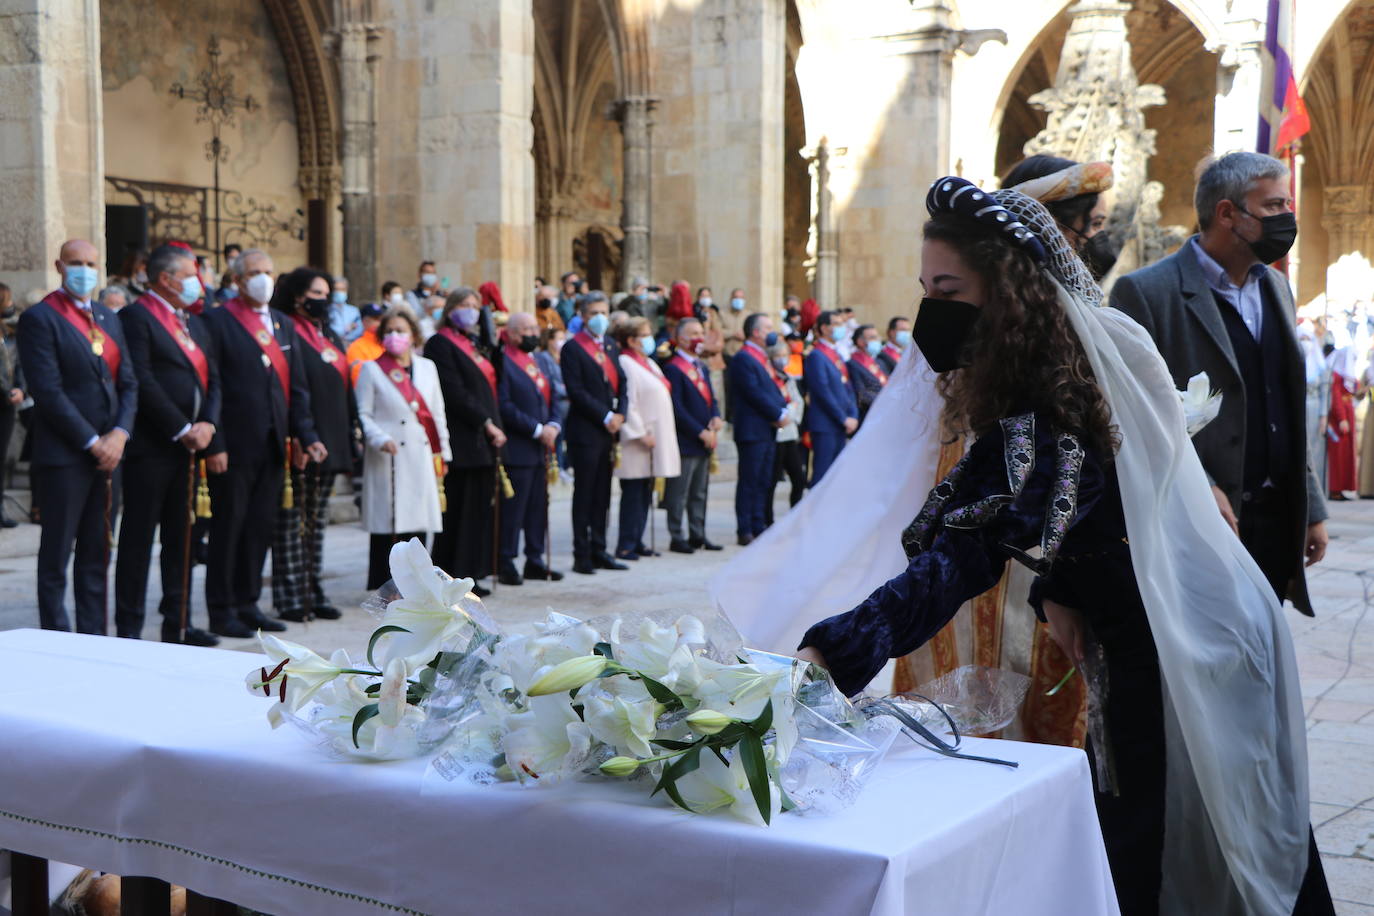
[{"x": 980, "y": 700}]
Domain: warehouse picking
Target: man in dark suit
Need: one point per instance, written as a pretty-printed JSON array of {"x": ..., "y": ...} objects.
[
  {"x": 696, "y": 413},
  {"x": 1215, "y": 307},
  {"x": 531, "y": 424},
  {"x": 598, "y": 400},
  {"x": 85, "y": 395},
  {"x": 265, "y": 402},
  {"x": 760, "y": 401},
  {"x": 898, "y": 339},
  {"x": 833, "y": 413},
  {"x": 178, "y": 409},
  {"x": 868, "y": 376}
]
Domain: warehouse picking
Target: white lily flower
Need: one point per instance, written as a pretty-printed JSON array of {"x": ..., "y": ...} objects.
[
  {"x": 430, "y": 628},
  {"x": 294, "y": 674},
  {"x": 1200, "y": 403},
  {"x": 714, "y": 785},
  {"x": 547, "y": 741},
  {"x": 666, "y": 654},
  {"x": 417, "y": 580},
  {"x": 626, "y": 725},
  {"x": 569, "y": 675},
  {"x": 525, "y": 658},
  {"x": 391, "y": 698},
  {"x": 738, "y": 691}
]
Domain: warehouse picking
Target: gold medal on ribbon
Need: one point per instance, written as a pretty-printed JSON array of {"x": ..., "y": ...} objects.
[
  {"x": 266, "y": 361},
  {"x": 263, "y": 337},
  {"x": 398, "y": 376},
  {"x": 329, "y": 355},
  {"x": 97, "y": 342}
]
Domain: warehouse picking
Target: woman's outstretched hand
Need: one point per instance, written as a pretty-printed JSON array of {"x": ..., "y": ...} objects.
[{"x": 809, "y": 654}]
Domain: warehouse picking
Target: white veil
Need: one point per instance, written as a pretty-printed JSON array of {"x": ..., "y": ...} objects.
[{"x": 1236, "y": 786}]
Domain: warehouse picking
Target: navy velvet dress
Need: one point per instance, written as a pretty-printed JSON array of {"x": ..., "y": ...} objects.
[{"x": 1027, "y": 492}]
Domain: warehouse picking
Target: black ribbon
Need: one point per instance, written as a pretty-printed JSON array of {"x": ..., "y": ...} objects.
[{"x": 926, "y": 737}]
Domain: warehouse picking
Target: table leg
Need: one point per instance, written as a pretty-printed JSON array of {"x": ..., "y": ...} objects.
[
  {"x": 144, "y": 897},
  {"x": 197, "y": 905},
  {"x": 30, "y": 885}
]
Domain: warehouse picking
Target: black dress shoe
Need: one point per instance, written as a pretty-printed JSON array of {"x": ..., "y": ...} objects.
[
  {"x": 509, "y": 577},
  {"x": 646, "y": 552},
  {"x": 194, "y": 637},
  {"x": 606, "y": 561},
  {"x": 704, "y": 544},
  {"x": 584, "y": 567},
  {"x": 540, "y": 571},
  {"x": 327, "y": 612},
  {"x": 233, "y": 628},
  {"x": 260, "y": 621},
  {"x": 294, "y": 616},
  {"x": 479, "y": 591},
  {"x": 626, "y": 555},
  {"x": 680, "y": 546},
  {"x": 745, "y": 540}
]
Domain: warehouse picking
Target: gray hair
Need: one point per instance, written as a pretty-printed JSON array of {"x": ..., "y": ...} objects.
[
  {"x": 1231, "y": 177},
  {"x": 456, "y": 297},
  {"x": 115, "y": 289},
  {"x": 638, "y": 281},
  {"x": 236, "y": 267},
  {"x": 165, "y": 259},
  {"x": 595, "y": 295}
]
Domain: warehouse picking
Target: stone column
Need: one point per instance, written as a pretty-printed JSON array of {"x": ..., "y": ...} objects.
[
  {"x": 52, "y": 163},
  {"x": 636, "y": 214},
  {"x": 1240, "y": 75},
  {"x": 1348, "y": 218},
  {"x": 455, "y": 175},
  {"x": 825, "y": 275},
  {"x": 357, "y": 44}
]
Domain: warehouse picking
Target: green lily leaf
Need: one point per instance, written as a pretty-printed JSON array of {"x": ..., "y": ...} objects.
[
  {"x": 367, "y": 712},
  {"x": 668, "y": 745},
  {"x": 603, "y": 649},
  {"x": 764, "y": 722},
  {"x": 378, "y": 634},
  {"x": 674, "y": 771},
  {"x": 756, "y": 768},
  {"x": 662, "y": 694}
]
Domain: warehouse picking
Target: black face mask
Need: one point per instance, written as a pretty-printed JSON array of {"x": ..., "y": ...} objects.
[
  {"x": 941, "y": 331},
  {"x": 529, "y": 343},
  {"x": 316, "y": 308},
  {"x": 1099, "y": 255},
  {"x": 1277, "y": 234}
]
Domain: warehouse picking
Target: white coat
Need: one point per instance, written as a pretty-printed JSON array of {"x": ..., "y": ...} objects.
[
  {"x": 386, "y": 417},
  {"x": 651, "y": 410}
]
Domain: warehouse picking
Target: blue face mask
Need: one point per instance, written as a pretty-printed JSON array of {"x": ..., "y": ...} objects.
[
  {"x": 465, "y": 318},
  {"x": 338, "y": 297},
  {"x": 190, "y": 290},
  {"x": 837, "y": 333},
  {"x": 80, "y": 280},
  {"x": 771, "y": 340},
  {"x": 903, "y": 339},
  {"x": 648, "y": 345},
  {"x": 737, "y": 304},
  {"x": 874, "y": 347},
  {"x": 597, "y": 324},
  {"x": 780, "y": 363}
]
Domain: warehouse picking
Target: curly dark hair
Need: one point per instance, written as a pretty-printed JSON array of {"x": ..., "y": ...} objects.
[{"x": 1022, "y": 355}]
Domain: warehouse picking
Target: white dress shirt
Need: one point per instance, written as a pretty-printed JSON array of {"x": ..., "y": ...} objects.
[{"x": 1247, "y": 299}]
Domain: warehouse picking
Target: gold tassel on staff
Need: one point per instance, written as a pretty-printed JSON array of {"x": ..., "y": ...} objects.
[
  {"x": 203, "y": 493},
  {"x": 615, "y": 456},
  {"x": 713, "y": 465},
  {"x": 439, "y": 479},
  {"x": 288, "y": 493},
  {"x": 660, "y": 485},
  {"x": 551, "y": 471},
  {"x": 507, "y": 489}
]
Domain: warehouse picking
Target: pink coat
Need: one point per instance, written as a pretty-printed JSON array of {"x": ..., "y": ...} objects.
[{"x": 651, "y": 409}]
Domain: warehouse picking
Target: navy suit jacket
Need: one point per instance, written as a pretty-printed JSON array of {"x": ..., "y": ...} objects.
[
  {"x": 74, "y": 396},
  {"x": 690, "y": 410},
  {"x": 169, "y": 391},
  {"x": 590, "y": 394},
  {"x": 866, "y": 386},
  {"x": 832, "y": 398},
  {"x": 758, "y": 403},
  {"x": 255, "y": 418},
  {"x": 523, "y": 408}
]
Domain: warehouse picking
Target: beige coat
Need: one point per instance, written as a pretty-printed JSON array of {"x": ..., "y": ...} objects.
[
  {"x": 651, "y": 410},
  {"x": 385, "y": 417}
]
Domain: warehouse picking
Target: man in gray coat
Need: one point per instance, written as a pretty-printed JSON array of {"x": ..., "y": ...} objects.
[{"x": 1215, "y": 306}]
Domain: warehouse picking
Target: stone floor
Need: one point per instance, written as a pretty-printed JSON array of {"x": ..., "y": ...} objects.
[{"x": 1335, "y": 649}]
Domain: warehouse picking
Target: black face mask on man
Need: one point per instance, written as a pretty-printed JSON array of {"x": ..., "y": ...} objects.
[
  {"x": 316, "y": 308},
  {"x": 1277, "y": 234},
  {"x": 942, "y": 331},
  {"x": 529, "y": 343}
]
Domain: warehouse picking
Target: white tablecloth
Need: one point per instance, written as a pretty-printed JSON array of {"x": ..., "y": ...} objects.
[{"x": 148, "y": 759}]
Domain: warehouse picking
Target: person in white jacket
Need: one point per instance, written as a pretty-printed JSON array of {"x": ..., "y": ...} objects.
[
  {"x": 648, "y": 439},
  {"x": 401, "y": 409}
]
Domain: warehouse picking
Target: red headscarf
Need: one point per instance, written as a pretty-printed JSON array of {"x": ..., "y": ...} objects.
[
  {"x": 680, "y": 301},
  {"x": 491, "y": 295},
  {"x": 810, "y": 311}
]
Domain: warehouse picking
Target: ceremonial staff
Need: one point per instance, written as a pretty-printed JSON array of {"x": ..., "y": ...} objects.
[
  {"x": 393, "y": 498},
  {"x": 550, "y": 475},
  {"x": 186, "y": 544},
  {"x": 311, "y": 485},
  {"x": 109, "y": 540}
]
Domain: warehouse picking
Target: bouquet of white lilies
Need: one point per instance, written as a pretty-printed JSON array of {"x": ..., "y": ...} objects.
[{"x": 675, "y": 703}]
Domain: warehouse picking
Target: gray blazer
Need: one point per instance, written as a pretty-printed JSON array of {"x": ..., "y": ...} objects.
[{"x": 1171, "y": 300}]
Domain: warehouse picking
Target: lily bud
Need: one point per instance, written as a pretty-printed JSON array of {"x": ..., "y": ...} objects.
[
  {"x": 708, "y": 721},
  {"x": 569, "y": 675},
  {"x": 620, "y": 766}
]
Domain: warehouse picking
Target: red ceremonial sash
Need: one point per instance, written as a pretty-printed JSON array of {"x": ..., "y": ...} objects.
[
  {"x": 597, "y": 352},
  {"x": 689, "y": 369},
  {"x": 306, "y": 330},
  {"x": 401, "y": 379},
  {"x": 102, "y": 344},
  {"x": 863, "y": 359},
  {"x": 834, "y": 358},
  {"x": 163, "y": 315},
  {"x": 893, "y": 352},
  {"x": 643, "y": 360},
  {"x": 524, "y": 362},
  {"x": 461, "y": 341},
  {"x": 270, "y": 348},
  {"x": 763, "y": 361}
]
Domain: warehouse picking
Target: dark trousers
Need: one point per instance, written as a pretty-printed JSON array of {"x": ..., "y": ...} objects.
[
  {"x": 1265, "y": 530},
  {"x": 636, "y": 494},
  {"x": 688, "y": 491},
  {"x": 244, "y": 501},
  {"x": 825, "y": 448},
  {"x": 790, "y": 463},
  {"x": 7, "y": 420},
  {"x": 74, "y": 505},
  {"x": 591, "y": 502},
  {"x": 754, "y": 485},
  {"x": 464, "y": 548},
  {"x": 379, "y": 556},
  {"x": 159, "y": 498},
  {"x": 298, "y": 543},
  {"x": 526, "y": 511}
]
